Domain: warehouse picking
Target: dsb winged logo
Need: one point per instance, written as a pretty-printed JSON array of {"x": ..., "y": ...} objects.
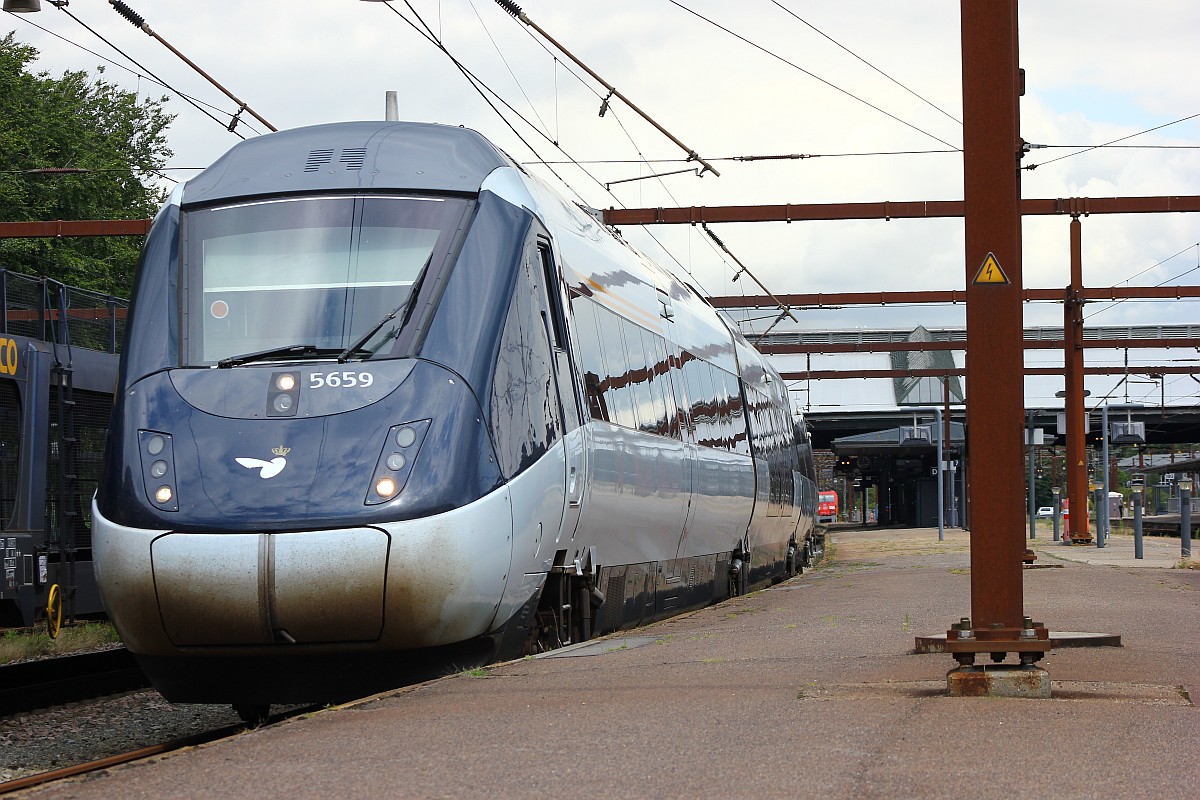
[{"x": 267, "y": 469}]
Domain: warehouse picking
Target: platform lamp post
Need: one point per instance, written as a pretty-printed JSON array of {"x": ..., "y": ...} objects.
[
  {"x": 1138, "y": 492},
  {"x": 1185, "y": 517},
  {"x": 941, "y": 480},
  {"x": 1057, "y": 494}
]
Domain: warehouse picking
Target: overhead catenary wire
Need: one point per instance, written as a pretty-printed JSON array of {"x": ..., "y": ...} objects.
[
  {"x": 742, "y": 268},
  {"x": 807, "y": 156},
  {"x": 1114, "y": 304},
  {"x": 496, "y": 47},
  {"x": 483, "y": 90},
  {"x": 515, "y": 10},
  {"x": 150, "y": 75},
  {"x": 138, "y": 22},
  {"x": 812, "y": 75},
  {"x": 929, "y": 103},
  {"x": 1114, "y": 141},
  {"x": 640, "y": 160}
]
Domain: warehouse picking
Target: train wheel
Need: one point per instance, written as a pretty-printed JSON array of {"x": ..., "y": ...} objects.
[
  {"x": 252, "y": 714},
  {"x": 737, "y": 574},
  {"x": 54, "y": 612}
]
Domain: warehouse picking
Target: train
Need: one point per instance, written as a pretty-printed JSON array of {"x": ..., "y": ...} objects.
[
  {"x": 388, "y": 402},
  {"x": 58, "y": 366},
  {"x": 827, "y": 506}
]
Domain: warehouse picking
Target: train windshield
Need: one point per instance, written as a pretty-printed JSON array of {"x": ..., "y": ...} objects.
[{"x": 313, "y": 274}]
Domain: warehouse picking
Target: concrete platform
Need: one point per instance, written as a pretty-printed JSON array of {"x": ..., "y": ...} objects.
[{"x": 808, "y": 689}]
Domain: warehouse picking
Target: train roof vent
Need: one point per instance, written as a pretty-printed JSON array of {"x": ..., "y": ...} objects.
[
  {"x": 316, "y": 158},
  {"x": 353, "y": 157}
]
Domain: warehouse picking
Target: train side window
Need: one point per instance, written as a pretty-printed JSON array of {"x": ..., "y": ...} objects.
[
  {"x": 524, "y": 406},
  {"x": 639, "y": 374},
  {"x": 699, "y": 382},
  {"x": 655, "y": 420},
  {"x": 619, "y": 393},
  {"x": 737, "y": 414},
  {"x": 591, "y": 357},
  {"x": 724, "y": 415},
  {"x": 558, "y": 323},
  {"x": 664, "y": 401},
  {"x": 677, "y": 388}
]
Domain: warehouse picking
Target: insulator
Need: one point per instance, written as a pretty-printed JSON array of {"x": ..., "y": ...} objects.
[
  {"x": 510, "y": 7},
  {"x": 128, "y": 13}
]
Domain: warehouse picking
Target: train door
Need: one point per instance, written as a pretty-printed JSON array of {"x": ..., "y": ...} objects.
[{"x": 558, "y": 330}]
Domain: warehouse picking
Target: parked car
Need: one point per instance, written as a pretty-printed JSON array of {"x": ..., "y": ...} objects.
[{"x": 1045, "y": 511}]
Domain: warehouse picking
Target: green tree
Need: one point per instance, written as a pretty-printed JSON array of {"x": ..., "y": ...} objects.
[{"x": 82, "y": 123}]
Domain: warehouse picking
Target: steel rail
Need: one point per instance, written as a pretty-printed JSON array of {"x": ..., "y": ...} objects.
[{"x": 54, "y": 681}]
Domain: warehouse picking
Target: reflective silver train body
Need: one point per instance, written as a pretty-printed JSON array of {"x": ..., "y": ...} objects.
[{"x": 388, "y": 403}]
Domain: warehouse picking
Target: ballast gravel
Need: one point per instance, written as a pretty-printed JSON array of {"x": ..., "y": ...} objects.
[{"x": 39, "y": 741}]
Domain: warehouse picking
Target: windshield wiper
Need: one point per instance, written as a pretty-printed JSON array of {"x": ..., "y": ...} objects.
[
  {"x": 359, "y": 346},
  {"x": 291, "y": 351}
]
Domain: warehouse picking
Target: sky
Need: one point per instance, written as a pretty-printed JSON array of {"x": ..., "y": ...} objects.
[{"x": 831, "y": 80}]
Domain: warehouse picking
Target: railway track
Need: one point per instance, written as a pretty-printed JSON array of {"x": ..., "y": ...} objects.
[
  {"x": 194, "y": 740},
  {"x": 66, "y": 679}
]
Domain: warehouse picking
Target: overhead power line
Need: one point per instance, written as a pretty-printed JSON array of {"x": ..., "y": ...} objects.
[
  {"x": 515, "y": 10},
  {"x": 484, "y": 90},
  {"x": 929, "y": 103},
  {"x": 149, "y": 75},
  {"x": 1195, "y": 245},
  {"x": 812, "y": 75},
  {"x": 138, "y": 22},
  {"x": 1114, "y": 141}
]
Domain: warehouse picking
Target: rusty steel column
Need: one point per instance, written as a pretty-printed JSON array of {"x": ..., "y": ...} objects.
[
  {"x": 992, "y": 150},
  {"x": 1073, "y": 405},
  {"x": 995, "y": 356}
]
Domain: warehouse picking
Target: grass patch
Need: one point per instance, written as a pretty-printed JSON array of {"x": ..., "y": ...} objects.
[
  {"x": 475, "y": 672},
  {"x": 27, "y": 643}
]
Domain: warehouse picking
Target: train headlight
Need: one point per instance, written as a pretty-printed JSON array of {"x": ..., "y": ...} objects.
[
  {"x": 283, "y": 394},
  {"x": 396, "y": 459},
  {"x": 158, "y": 469}
]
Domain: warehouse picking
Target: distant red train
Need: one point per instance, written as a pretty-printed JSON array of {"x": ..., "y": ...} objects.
[{"x": 827, "y": 507}]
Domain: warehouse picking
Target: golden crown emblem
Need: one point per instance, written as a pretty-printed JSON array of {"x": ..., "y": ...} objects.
[{"x": 281, "y": 450}]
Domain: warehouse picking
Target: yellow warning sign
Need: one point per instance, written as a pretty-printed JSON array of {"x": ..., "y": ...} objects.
[{"x": 990, "y": 271}]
